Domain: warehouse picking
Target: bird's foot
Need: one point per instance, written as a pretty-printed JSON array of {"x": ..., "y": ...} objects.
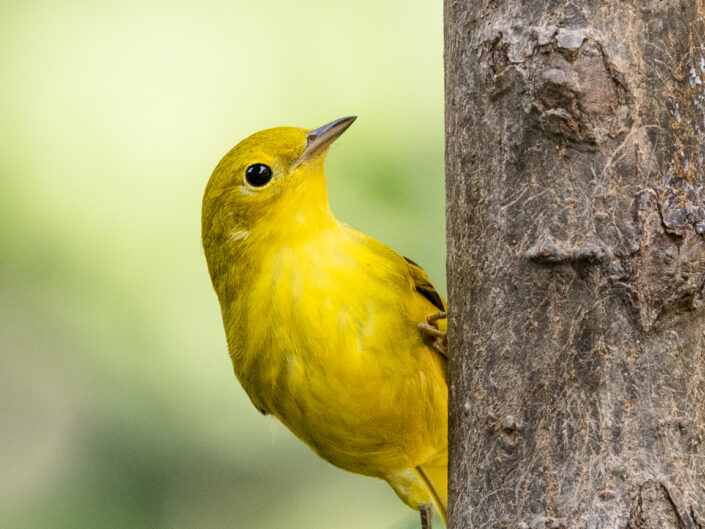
[
  {"x": 426, "y": 512},
  {"x": 435, "y": 337}
]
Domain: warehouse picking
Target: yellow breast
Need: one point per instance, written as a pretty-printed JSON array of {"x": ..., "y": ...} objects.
[{"x": 324, "y": 336}]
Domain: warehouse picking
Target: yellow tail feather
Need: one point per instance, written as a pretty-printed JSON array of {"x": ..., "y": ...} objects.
[{"x": 436, "y": 480}]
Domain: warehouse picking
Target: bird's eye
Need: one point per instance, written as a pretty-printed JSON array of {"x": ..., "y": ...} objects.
[{"x": 258, "y": 175}]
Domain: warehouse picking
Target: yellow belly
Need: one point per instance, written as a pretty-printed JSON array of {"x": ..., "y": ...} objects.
[
  {"x": 330, "y": 345},
  {"x": 363, "y": 414}
]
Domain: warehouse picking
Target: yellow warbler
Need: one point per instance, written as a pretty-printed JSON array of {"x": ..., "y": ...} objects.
[{"x": 329, "y": 330}]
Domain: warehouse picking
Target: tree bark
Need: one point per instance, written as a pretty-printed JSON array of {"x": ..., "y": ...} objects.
[{"x": 576, "y": 263}]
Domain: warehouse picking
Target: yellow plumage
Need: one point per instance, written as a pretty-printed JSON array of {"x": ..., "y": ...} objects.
[{"x": 322, "y": 321}]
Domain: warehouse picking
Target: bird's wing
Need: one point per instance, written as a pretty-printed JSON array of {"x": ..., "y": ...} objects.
[{"x": 423, "y": 285}]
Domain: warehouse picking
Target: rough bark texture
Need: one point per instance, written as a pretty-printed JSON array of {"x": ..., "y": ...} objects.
[{"x": 576, "y": 263}]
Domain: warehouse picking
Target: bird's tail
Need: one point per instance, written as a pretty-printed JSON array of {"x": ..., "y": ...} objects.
[{"x": 435, "y": 477}]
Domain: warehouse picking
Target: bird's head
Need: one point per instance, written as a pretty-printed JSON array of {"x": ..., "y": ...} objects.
[{"x": 272, "y": 179}]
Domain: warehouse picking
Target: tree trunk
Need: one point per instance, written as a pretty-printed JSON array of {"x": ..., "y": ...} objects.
[{"x": 576, "y": 263}]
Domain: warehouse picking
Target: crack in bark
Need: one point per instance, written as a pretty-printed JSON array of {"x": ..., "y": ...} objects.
[
  {"x": 695, "y": 518},
  {"x": 655, "y": 506}
]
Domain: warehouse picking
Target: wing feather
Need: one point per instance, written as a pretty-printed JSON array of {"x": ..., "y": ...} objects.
[{"x": 423, "y": 285}]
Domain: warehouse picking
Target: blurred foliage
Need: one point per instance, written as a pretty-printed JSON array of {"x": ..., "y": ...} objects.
[{"x": 118, "y": 403}]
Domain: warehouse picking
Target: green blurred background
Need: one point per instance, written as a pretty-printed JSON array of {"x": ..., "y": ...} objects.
[{"x": 118, "y": 406}]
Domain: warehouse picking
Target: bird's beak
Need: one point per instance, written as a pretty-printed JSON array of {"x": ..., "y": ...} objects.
[{"x": 318, "y": 140}]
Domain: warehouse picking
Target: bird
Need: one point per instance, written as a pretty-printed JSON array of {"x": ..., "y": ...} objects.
[{"x": 332, "y": 332}]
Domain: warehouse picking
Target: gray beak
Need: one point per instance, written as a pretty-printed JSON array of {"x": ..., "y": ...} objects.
[{"x": 319, "y": 140}]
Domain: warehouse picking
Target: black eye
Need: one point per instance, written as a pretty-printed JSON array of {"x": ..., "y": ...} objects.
[{"x": 258, "y": 175}]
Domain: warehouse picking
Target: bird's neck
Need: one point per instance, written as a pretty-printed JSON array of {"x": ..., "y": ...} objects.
[
  {"x": 301, "y": 215},
  {"x": 300, "y": 221}
]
